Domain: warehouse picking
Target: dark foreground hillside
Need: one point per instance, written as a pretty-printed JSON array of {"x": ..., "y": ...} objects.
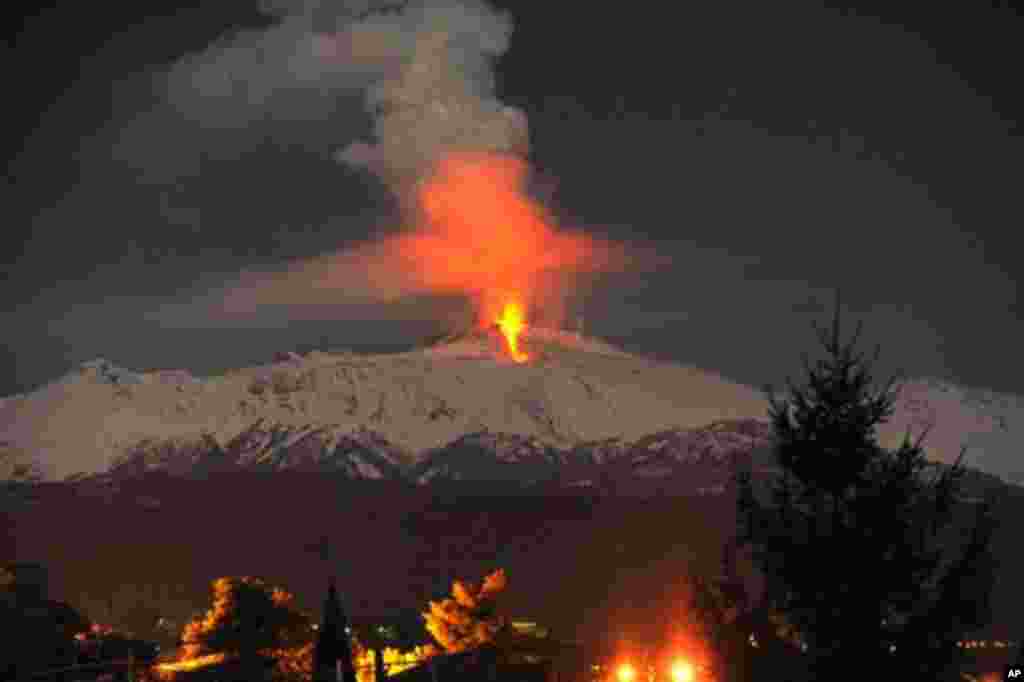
[{"x": 590, "y": 566}]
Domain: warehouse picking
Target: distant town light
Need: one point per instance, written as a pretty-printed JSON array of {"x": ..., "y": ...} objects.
[{"x": 626, "y": 673}]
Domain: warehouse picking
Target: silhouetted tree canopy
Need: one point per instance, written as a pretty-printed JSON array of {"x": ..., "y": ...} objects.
[
  {"x": 248, "y": 617},
  {"x": 861, "y": 547},
  {"x": 468, "y": 618},
  {"x": 39, "y": 631}
]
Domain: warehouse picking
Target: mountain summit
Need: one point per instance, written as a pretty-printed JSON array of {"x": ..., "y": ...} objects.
[{"x": 395, "y": 410}]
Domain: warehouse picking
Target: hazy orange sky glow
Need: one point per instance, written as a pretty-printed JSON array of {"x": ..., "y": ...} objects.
[
  {"x": 472, "y": 230},
  {"x": 484, "y": 237}
]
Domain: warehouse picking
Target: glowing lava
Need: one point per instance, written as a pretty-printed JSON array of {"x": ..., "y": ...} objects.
[
  {"x": 480, "y": 234},
  {"x": 511, "y": 324}
]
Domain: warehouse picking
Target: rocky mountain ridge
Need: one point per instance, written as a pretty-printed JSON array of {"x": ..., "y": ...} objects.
[
  {"x": 572, "y": 391},
  {"x": 695, "y": 455},
  {"x": 372, "y": 415},
  {"x": 699, "y": 461}
]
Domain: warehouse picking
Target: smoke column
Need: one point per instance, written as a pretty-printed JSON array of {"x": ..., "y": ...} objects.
[
  {"x": 441, "y": 100},
  {"x": 453, "y": 155}
]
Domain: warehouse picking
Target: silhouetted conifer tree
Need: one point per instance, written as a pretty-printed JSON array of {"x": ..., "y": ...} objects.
[
  {"x": 332, "y": 642},
  {"x": 851, "y": 537}
]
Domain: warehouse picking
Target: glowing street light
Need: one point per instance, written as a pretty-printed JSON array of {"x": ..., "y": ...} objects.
[{"x": 626, "y": 673}]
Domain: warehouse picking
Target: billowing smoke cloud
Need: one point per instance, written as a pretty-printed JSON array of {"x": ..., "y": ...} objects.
[
  {"x": 425, "y": 69},
  {"x": 442, "y": 98},
  {"x": 451, "y": 152}
]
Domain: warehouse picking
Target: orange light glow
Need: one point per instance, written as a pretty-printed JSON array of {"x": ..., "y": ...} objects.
[
  {"x": 682, "y": 672},
  {"x": 395, "y": 661},
  {"x": 511, "y": 324},
  {"x": 483, "y": 236},
  {"x": 626, "y": 673},
  {"x": 471, "y": 230},
  {"x": 191, "y": 663}
]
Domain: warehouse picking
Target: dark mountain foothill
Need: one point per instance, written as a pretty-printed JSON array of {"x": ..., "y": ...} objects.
[{"x": 593, "y": 540}]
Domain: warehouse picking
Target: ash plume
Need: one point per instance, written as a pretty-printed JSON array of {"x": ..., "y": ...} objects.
[
  {"x": 452, "y": 154},
  {"x": 441, "y": 100}
]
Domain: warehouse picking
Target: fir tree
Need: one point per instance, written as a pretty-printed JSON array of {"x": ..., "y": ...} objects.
[
  {"x": 333, "y": 646},
  {"x": 851, "y": 538}
]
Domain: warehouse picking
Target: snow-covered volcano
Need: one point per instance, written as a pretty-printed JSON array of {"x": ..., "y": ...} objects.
[
  {"x": 574, "y": 391},
  {"x": 989, "y": 424}
]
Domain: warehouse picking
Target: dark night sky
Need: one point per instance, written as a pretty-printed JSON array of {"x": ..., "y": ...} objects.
[{"x": 773, "y": 152}]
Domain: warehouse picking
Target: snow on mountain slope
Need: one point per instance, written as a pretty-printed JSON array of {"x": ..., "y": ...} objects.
[
  {"x": 358, "y": 454},
  {"x": 573, "y": 390},
  {"x": 700, "y": 460},
  {"x": 490, "y": 457},
  {"x": 989, "y": 424},
  {"x": 712, "y": 444},
  {"x": 368, "y": 414},
  {"x": 691, "y": 459}
]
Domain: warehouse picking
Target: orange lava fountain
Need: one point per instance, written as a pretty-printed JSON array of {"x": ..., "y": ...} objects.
[
  {"x": 474, "y": 231},
  {"x": 511, "y": 324},
  {"x": 482, "y": 235}
]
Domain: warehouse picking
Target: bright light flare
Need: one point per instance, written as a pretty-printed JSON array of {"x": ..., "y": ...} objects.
[
  {"x": 682, "y": 671},
  {"x": 626, "y": 673},
  {"x": 511, "y": 323}
]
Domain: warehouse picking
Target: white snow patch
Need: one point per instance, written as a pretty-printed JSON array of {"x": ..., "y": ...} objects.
[{"x": 577, "y": 390}]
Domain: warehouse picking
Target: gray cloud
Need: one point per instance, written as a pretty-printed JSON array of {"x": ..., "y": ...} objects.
[
  {"x": 424, "y": 70},
  {"x": 442, "y": 99},
  {"x": 425, "y": 73},
  {"x": 278, "y": 73},
  {"x": 224, "y": 167}
]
